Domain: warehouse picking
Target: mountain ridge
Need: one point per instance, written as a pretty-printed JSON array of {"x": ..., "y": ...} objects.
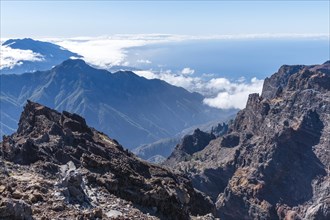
[
  {"x": 123, "y": 100},
  {"x": 272, "y": 163}
]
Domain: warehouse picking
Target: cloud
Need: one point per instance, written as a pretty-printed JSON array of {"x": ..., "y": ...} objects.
[
  {"x": 187, "y": 71},
  {"x": 146, "y": 74},
  {"x": 103, "y": 52},
  {"x": 14, "y": 57},
  {"x": 233, "y": 95},
  {"x": 219, "y": 92},
  {"x": 144, "y": 61},
  {"x": 193, "y": 84}
]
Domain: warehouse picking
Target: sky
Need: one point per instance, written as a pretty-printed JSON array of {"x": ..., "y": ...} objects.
[{"x": 95, "y": 18}]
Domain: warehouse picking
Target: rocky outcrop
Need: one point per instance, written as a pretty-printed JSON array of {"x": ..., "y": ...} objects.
[
  {"x": 220, "y": 129},
  {"x": 55, "y": 166},
  {"x": 274, "y": 162},
  {"x": 189, "y": 145}
]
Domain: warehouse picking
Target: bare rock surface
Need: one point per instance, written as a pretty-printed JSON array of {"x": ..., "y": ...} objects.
[
  {"x": 274, "y": 163},
  {"x": 189, "y": 145},
  {"x": 56, "y": 167}
]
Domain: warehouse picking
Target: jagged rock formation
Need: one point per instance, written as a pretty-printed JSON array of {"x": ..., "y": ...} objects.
[
  {"x": 220, "y": 129},
  {"x": 57, "y": 167},
  {"x": 189, "y": 145},
  {"x": 274, "y": 163}
]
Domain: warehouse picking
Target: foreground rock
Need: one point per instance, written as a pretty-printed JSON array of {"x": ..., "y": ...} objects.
[
  {"x": 55, "y": 166},
  {"x": 274, "y": 162}
]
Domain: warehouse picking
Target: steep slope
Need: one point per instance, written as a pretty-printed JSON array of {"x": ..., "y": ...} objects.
[
  {"x": 55, "y": 166},
  {"x": 130, "y": 108},
  {"x": 45, "y": 55},
  {"x": 274, "y": 162},
  {"x": 193, "y": 143},
  {"x": 189, "y": 145}
]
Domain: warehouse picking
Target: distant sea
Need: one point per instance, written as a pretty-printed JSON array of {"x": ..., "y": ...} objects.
[{"x": 229, "y": 58}]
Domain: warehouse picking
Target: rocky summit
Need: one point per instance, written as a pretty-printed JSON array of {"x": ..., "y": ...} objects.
[
  {"x": 274, "y": 162},
  {"x": 56, "y": 167}
]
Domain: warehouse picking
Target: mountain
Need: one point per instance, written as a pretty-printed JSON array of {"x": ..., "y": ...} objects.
[
  {"x": 130, "y": 108},
  {"x": 189, "y": 145},
  {"x": 158, "y": 151},
  {"x": 56, "y": 167},
  {"x": 46, "y": 55},
  {"x": 274, "y": 161}
]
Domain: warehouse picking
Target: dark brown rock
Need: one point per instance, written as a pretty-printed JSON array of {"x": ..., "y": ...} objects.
[
  {"x": 274, "y": 162},
  {"x": 189, "y": 145},
  {"x": 81, "y": 167}
]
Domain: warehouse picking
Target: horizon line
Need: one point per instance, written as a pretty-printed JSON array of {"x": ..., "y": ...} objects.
[{"x": 159, "y": 36}]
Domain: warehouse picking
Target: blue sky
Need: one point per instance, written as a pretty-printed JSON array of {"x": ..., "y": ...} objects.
[{"x": 95, "y": 18}]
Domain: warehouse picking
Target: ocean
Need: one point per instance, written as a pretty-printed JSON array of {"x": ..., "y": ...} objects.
[{"x": 231, "y": 59}]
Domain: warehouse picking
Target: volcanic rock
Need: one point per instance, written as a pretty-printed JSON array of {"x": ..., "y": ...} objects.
[
  {"x": 55, "y": 166},
  {"x": 189, "y": 145},
  {"x": 274, "y": 162}
]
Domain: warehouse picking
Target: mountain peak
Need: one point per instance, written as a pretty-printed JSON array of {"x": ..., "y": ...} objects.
[
  {"x": 13, "y": 41},
  {"x": 33, "y": 111},
  {"x": 74, "y": 66},
  {"x": 48, "y": 54},
  {"x": 71, "y": 63},
  {"x": 296, "y": 77}
]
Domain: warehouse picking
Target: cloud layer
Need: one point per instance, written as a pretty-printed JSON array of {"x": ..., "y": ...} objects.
[
  {"x": 219, "y": 92},
  {"x": 102, "y": 52},
  {"x": 13, "y": 57},
  {"x": 232, "y": 94}
]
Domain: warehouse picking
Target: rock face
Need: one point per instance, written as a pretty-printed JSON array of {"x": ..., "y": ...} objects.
[
  {"x": 55, "y": 166},
  {"x": 189, "y": 145},
  {"x": 274, "y": 162}
]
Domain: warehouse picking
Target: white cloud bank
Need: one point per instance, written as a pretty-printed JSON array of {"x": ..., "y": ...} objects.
[
  {"x": 219, "y": 92},
  {"x": 233, "y": 95},
  {"x": 187, "y": 71},
  {"x": 13, "y": 57},
  {"x": 103, "y": 52}
]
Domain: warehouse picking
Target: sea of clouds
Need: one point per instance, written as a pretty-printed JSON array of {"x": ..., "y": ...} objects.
[{"x": 13, "y": 57}]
